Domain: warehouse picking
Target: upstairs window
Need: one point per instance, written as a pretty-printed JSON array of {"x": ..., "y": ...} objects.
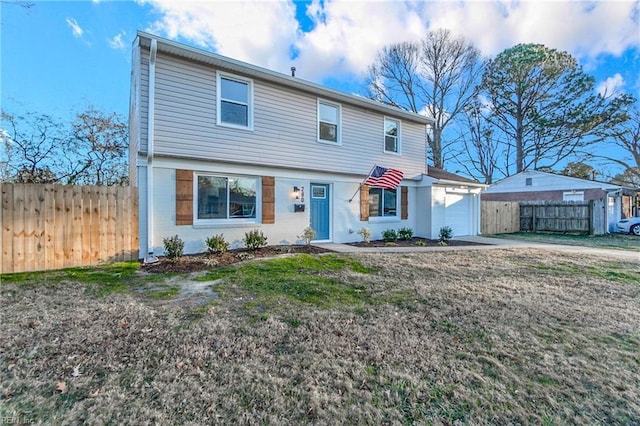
[
  {"x": 391, "y": 136},
  {"x": 235, "y": 101},
  {"x": 328, "y": 122}
]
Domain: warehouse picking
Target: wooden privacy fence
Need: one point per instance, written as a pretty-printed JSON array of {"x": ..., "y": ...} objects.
[
  {"x": 574, "y": 217},
  {"x": 499, "y": 217},
  {"x": 61, "y": 226}
]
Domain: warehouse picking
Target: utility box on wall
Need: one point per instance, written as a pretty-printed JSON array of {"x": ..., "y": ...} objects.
[{"x": 297, "y": 208}]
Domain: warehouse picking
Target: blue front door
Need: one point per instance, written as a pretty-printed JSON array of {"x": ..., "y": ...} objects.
[{"x": 320, "y": 210}]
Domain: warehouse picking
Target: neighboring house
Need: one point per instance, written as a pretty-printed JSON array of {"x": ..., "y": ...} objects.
[
  {"x": 222, "y": 146},
  {"x": 620, "y": 201}
]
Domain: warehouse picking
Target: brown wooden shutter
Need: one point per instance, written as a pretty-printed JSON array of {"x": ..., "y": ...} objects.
[
  {"x": 184, "y": 197},
  {"x": 404, "y": 202},
  {"x": 364, "y": 203},
  {"x": 268, "y": 199}
]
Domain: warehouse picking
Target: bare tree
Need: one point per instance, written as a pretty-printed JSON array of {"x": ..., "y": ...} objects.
[
  {"x": 481, "y": 149},
  {"x": 436, "y": 77},
  {"x": 25, "y": 4},
  {"x": 33, "y": 144},
  {"x": 99, "y": 148},
  {"x": 627, "y": 137},
  {"x": 91, "y": 150}
]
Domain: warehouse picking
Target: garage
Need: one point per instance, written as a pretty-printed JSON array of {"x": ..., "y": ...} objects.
[
  {"x": 453, "y": 201},
  {"x": 458, "y": 213}
]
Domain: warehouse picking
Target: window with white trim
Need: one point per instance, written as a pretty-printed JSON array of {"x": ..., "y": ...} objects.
[
  {"x": 221, "y": 198},
  {"x": 391, "y": 136},
  {"x": 329, "y": 116},
  {"x": 235, "y": 101},
  {"x": 383, "y": 202}
]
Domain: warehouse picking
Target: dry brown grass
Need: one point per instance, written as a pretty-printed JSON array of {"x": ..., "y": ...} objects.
[{"x": 474, "y": 337}]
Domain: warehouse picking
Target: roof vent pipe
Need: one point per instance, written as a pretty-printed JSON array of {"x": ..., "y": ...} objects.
[{"x": 293, "y": 71}]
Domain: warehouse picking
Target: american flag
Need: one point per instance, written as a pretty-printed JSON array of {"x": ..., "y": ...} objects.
[{"x": 382, "y": 177}]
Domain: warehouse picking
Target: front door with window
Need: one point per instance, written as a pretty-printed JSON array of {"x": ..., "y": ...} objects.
[{"x": 320, "y": 210}]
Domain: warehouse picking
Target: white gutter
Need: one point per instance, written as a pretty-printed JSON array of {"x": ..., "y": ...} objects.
[
  {"x": 150, "y": 137},
  {"x": 460, "y": 183}
]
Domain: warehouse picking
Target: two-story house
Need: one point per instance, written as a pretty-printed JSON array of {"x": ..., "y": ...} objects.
[{"x": 222, "y": 146}]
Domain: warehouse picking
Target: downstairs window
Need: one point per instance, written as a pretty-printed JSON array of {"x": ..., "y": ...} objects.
[
  {"x": 383, "y": 202},
  {"x": 225, "y": 198}
]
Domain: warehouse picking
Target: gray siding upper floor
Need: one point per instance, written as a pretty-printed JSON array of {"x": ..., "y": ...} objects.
[{"x": 285, "y": 125}]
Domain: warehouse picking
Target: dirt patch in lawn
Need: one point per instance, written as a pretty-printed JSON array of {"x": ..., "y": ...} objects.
[{"x": 518, "y": 336}]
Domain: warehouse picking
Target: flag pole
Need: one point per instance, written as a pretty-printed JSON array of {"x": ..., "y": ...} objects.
[{"x": 360, "y": 186}]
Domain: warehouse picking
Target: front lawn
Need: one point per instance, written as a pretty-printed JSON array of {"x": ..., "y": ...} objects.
[
  {"x": 518, "y": 336},
  {"x": 613, "y": 241}
]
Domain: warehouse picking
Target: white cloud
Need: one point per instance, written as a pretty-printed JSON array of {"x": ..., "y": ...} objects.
[
  {"x": 259, "y": 32},
  {"x": 76, "y": 30},
  {"x": 347, "y": 34},
  {"x": 611, "y": 86},
  {"x": 584, "y": 29},
  {"x": 116, "y": 42}
]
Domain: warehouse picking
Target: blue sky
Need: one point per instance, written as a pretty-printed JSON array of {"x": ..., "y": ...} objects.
[{"x": 58, "y": 57}]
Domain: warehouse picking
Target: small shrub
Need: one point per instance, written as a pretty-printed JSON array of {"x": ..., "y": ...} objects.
[
  {"x": 446, "y": 233},
  {"x": 405, "y": 233},
  {"x": 308, "y": 234},
  {"x": 173, "y": 247},
  {"x": 217, "y": 244},
  {"x": 389, "y": 236},
  {"x": 365, "y": 233},
  {"x": 420, "y": 243},
  {"x": 254, "y": 239}
]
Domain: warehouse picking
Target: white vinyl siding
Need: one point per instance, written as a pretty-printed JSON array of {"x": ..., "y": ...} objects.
[{"x": 284, "y": 122}]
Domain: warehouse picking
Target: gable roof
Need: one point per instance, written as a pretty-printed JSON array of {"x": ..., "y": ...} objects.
[
  {"x": 560, "y": 182},
  {"x": 144, "y": 39},
  {"x": 448, "y": 177}
]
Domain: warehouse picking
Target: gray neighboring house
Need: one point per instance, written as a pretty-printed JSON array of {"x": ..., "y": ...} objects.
[{"x": 620, "y": 201}]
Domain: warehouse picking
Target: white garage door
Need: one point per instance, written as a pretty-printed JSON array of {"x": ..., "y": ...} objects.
[{"x": 458, "y": 213}]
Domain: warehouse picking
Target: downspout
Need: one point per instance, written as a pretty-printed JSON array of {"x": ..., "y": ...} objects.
[{"x": 151, "y": 258}]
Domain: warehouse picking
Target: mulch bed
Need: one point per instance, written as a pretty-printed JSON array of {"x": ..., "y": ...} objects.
[
  {"x": 414, "y": 242},
  {"x": 206, "y": 261}
]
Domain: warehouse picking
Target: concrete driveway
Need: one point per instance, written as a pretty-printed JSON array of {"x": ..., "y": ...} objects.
[{"x": 489, "y": 244}]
